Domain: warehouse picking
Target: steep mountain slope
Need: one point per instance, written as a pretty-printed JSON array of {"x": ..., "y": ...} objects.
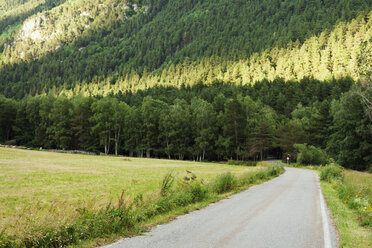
[
  {"x": 14, "y": 13},
  {"x": 48, "y": 30},
  {"x": 137, "y": 44},
  {"x": 9, "y": 7}
]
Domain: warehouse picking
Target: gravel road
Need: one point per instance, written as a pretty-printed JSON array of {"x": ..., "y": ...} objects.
[{"x": 284, "y": 212}]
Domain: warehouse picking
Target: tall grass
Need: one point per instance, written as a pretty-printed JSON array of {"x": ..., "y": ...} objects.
[
  {"x": 167, "y": 182},
  {"x": 129, "y": 215},
  {"x": 332, "y": 172},
  {"x": 243, "y": 163},
  {"x": 353, "y": 188},
  {"x": 224, "y": 183}
]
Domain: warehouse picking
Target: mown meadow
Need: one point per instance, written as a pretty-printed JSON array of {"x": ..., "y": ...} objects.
[{"x": 57, "y": 199}]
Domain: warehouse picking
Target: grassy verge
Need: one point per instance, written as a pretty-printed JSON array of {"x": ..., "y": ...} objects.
[
  {"x": 54, "y": 200},
  {"x": 186, "y": 195},
  {"x": 352, "y": 234},
  {"x": 348, "y": 196}
]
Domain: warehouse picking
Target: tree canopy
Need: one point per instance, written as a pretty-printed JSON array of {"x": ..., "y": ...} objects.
[{"x": 216, "y": 122}]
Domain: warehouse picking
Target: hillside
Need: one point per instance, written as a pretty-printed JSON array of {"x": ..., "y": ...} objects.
[
  {"x": 189, "y": 79},
  {"x": 116, "y": 45}
]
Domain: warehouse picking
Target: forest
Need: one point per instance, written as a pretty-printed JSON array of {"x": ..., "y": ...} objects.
[
  {"x": 189, "y": 79},
  {"x": 81, "y": 47},
  {"x": 209, "y": 123}
]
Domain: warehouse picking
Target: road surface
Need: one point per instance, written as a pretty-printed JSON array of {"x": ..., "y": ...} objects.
[{"x": 287, "y": 211}]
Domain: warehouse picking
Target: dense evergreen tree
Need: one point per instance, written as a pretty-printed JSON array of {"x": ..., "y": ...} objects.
[
  {"x": 320, "y": 122},
  {"x": 103, "y": 117},
  {"x": 216, "y": 122},
  {"x": 233, "y": 126},
  {"x": 151, "y": 111},
  {"x": 204, "y": 127},
  {"x": 288, "y": 134},
  {"x": 60, "y": 129},
  {"x": 82, "y": 123},
  {"x": 263, "y": 132},
  {"x": 7, "y": 117},
  {"x": 350, "y": 141}
]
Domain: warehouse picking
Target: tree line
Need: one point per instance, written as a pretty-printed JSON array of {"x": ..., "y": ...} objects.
[{"x": 217, "y": 122}]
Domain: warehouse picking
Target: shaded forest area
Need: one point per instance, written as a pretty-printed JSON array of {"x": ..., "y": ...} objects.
[
  {"x": 139, "y": 44},
  {"x": 217, "y": 122}
]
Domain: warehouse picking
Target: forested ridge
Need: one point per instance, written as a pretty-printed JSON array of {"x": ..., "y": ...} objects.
[
  {"x": 189, "y": 79},
  {"x": 117, "y": 45}
]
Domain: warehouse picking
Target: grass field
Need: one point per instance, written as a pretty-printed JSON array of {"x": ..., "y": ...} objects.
[
  {"x": 350, "y": 200},
  {"x": 46, "y": 189},
  {"x": 361, "y": 183}
]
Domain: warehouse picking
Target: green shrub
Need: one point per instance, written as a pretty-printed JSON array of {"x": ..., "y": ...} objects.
[
  {"x": 273, "y": 170},
  {"x": 6, "y": 241},
  {"x": 167, "y": 203},
  {"x": 247, "y": 179},
  {"x": 268, "y": 172},
  {"x": 331, "y": 172},
  {"x": 357, "y": 203},
  {"x": 224, "y": 183},
  {"x": 344, "y": 192},
  {"x": 184, "y": 195},
  {"x": 261, "y": 175},
  {"x": 11, "y": 142},
  {"x": 198, "y": 192},
  {"x": 310, "y": 155}
]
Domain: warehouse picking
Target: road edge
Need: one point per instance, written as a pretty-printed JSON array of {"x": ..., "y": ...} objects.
[
  {"x": 325, "y": 224},
  {"x": 330, "y": 232}
]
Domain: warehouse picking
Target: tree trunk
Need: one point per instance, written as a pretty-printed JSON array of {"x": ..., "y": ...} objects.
[
  {"x": 236, "y": 138},
  {"x": 117, "y": 135},
  {"x": 261, "y": 155},
  {"x": 116, "y": 144},
  {"x": 107, "y": 150},
  {"x": 169, "y": 156},
  {"x": 148, "y": 153},
  {"x": 106, "y": 146},
  {"x": 7, "y": 135}
]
